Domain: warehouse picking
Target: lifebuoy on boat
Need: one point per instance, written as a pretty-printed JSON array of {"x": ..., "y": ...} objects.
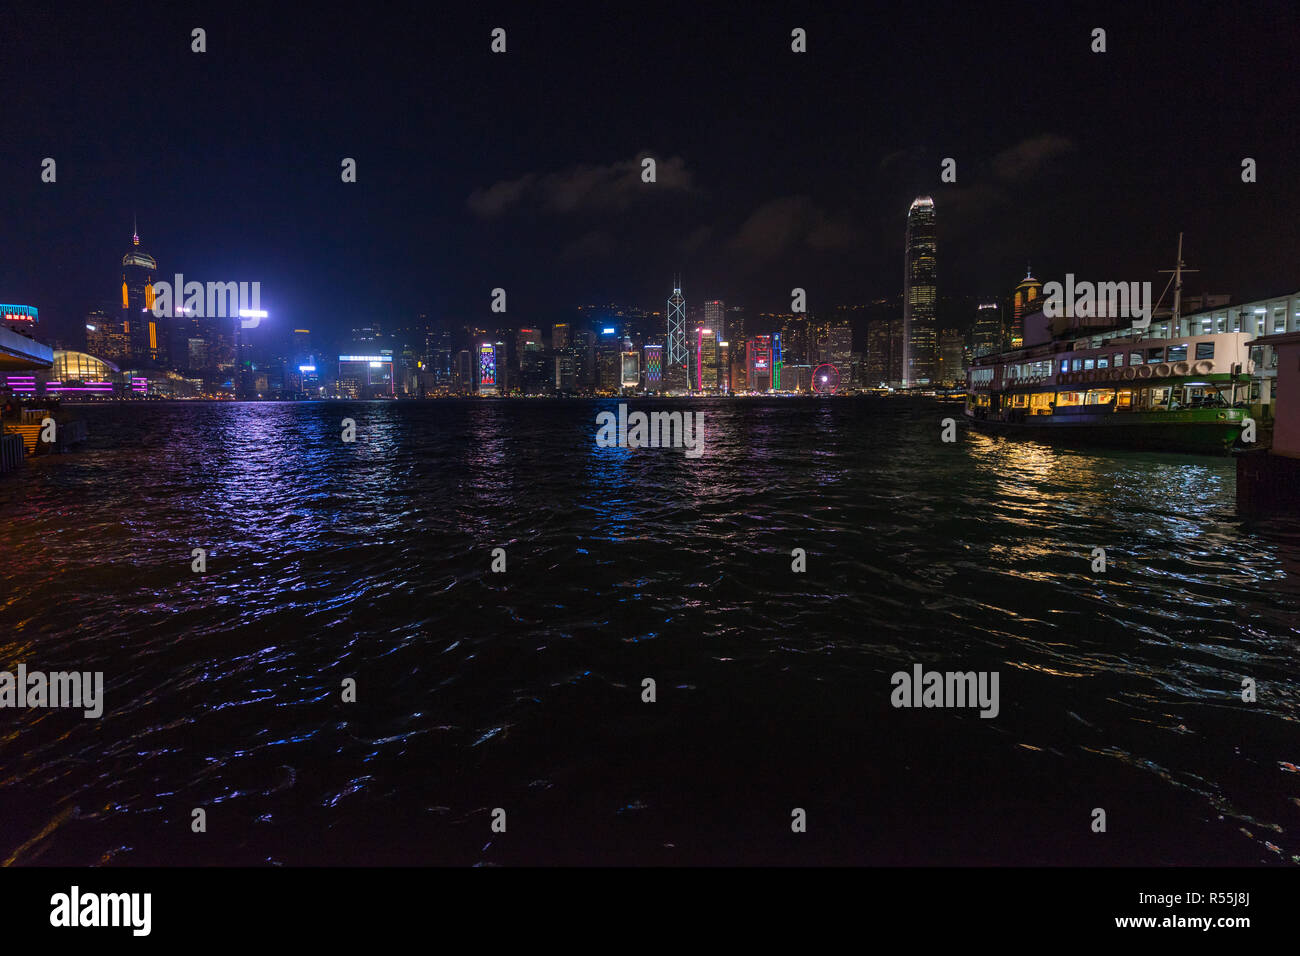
[
  {"x": 1163, "y": 370},
  {"x": 1182, "y": 368},
  {"x": 1144, "y": 371},
  {"x": 1204, "y": 368},
  {"x": 1130, "y": 374}
]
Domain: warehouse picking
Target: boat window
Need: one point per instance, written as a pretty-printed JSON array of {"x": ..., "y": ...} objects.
[
  {"x": 1119, "y": 359},
  {"x": 1065, "y": 366},
  {"x": 1124, "y": 399},
  {"x": 1134, "y": 358},
  {"x": 1178, "y": 353},
  {"x": 1155, "y": 355},
  {"x": 1204, "y": 350},
  {"x": 1103, "y": 361},
  {"x": 1076, "y": 365},
  {"x": 1088, "y": 364}
]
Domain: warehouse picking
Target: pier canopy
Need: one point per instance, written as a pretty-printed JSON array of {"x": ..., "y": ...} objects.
[{"x": 18, "y": 353}]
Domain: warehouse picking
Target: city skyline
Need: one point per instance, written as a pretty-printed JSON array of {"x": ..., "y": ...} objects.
[{"x": 731, "y": 208}]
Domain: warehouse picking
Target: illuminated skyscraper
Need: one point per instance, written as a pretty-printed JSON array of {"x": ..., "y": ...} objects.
[
  {"x": 678, "y": 348},
  {"x": 920, "y": 337},
  {"x": 1028, "y": 290},
  {"x": 987, "y": 334},
  {"x": 560, "y": 336},
  {"x": 486, "y": 377},
  {"x": 715, "y": 318},
  {"x": 952, "y": 357},
  {"x": 706, "y": 359},
  {"x": 147, "y": 332},
  {"x": 759, "y": 363},
  {"x": 654, "y": 367}
]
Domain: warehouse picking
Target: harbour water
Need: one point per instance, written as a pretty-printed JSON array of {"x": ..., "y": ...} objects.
[{"x": 522, "y": 690}]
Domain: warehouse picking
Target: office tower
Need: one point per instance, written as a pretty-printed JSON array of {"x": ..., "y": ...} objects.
[
  {"x": 527, "y": 340},
  {"x": 715, "y": 318},
  {"x": 678, "y": 350},
  {"x": 106, "y": 338},
  {"x": 736, "y": 328},
  {"x": 987, "y": 335},
  {"x": 759, "y": 363},
  {"x": 1028, "y": 290},
  {"x": 148, "y": 333},
  {"x": 485, "y": 377},
  {"x": 920, "y": 337},
  {"x": 560, "y": 336},
  {"x": 884, "y": 358},
  {"x": 837, "y": 346},
  {"x": 631, "y": 370},
  {"x": 952, "y": 357},
  {"x": 706, "y": 359},
  {"x": 654, "y": 367},
  {"x": 724, "y": 367},
  {"x": 367, "y": 375}
]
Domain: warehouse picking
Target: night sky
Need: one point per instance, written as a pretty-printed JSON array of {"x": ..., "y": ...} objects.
[{"x": 521, "y": 170}]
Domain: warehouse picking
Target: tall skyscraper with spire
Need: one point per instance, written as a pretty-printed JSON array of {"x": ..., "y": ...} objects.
[
  {"x": 920, "y": 334},
  {"x": 148, "y": 336}
]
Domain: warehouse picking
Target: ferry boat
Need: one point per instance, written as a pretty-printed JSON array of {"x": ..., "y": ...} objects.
[{"x": 1095, "y": 381}]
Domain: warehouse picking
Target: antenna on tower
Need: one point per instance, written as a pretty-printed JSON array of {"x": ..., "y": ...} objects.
[{"x": 135, "y": 230}]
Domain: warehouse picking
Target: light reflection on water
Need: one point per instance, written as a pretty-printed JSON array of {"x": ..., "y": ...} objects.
[{"x": 371, "y": 560}]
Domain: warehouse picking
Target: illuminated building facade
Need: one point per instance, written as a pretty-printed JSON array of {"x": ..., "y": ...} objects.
[
  {"x": 952, "y": 357},
  {"x": 486, "y": 370},
  {"x": 654, "y": 367},
  {"x": 631, "y": 370},
  {"x": 20, "y": 318},
  {"x": 560, "y": 336},
  {"x": 1028, "y": 290},
  {"x": 920, "y": 335},
  {"x": 148, "y": 333},
  {"x": 706, "y": 359},
  {"x": 986, "y": 337},
  {"x": 678, "y": 351},
  {"x": 758, "y": 363},
  {"x": 367, "y": 376},
  {"x": 715, "y": 318}
]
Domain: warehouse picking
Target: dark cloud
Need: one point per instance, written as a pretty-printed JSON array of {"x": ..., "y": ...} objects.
[
  {"x": 1028, "y": 156},
  {"x": 786, "y": 224},
  {"x": 584, "y": 188}
]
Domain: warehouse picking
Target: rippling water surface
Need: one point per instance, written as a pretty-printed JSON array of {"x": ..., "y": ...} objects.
[{"x": 522, "y": 690}]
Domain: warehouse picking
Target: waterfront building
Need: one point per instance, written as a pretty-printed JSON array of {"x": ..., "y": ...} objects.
[
  {"x": 560, "y": 336},
  {"x": 365, "y": 375},
  {"x": 920, "y": 336},
  {"x": 22, "y": 319}
]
